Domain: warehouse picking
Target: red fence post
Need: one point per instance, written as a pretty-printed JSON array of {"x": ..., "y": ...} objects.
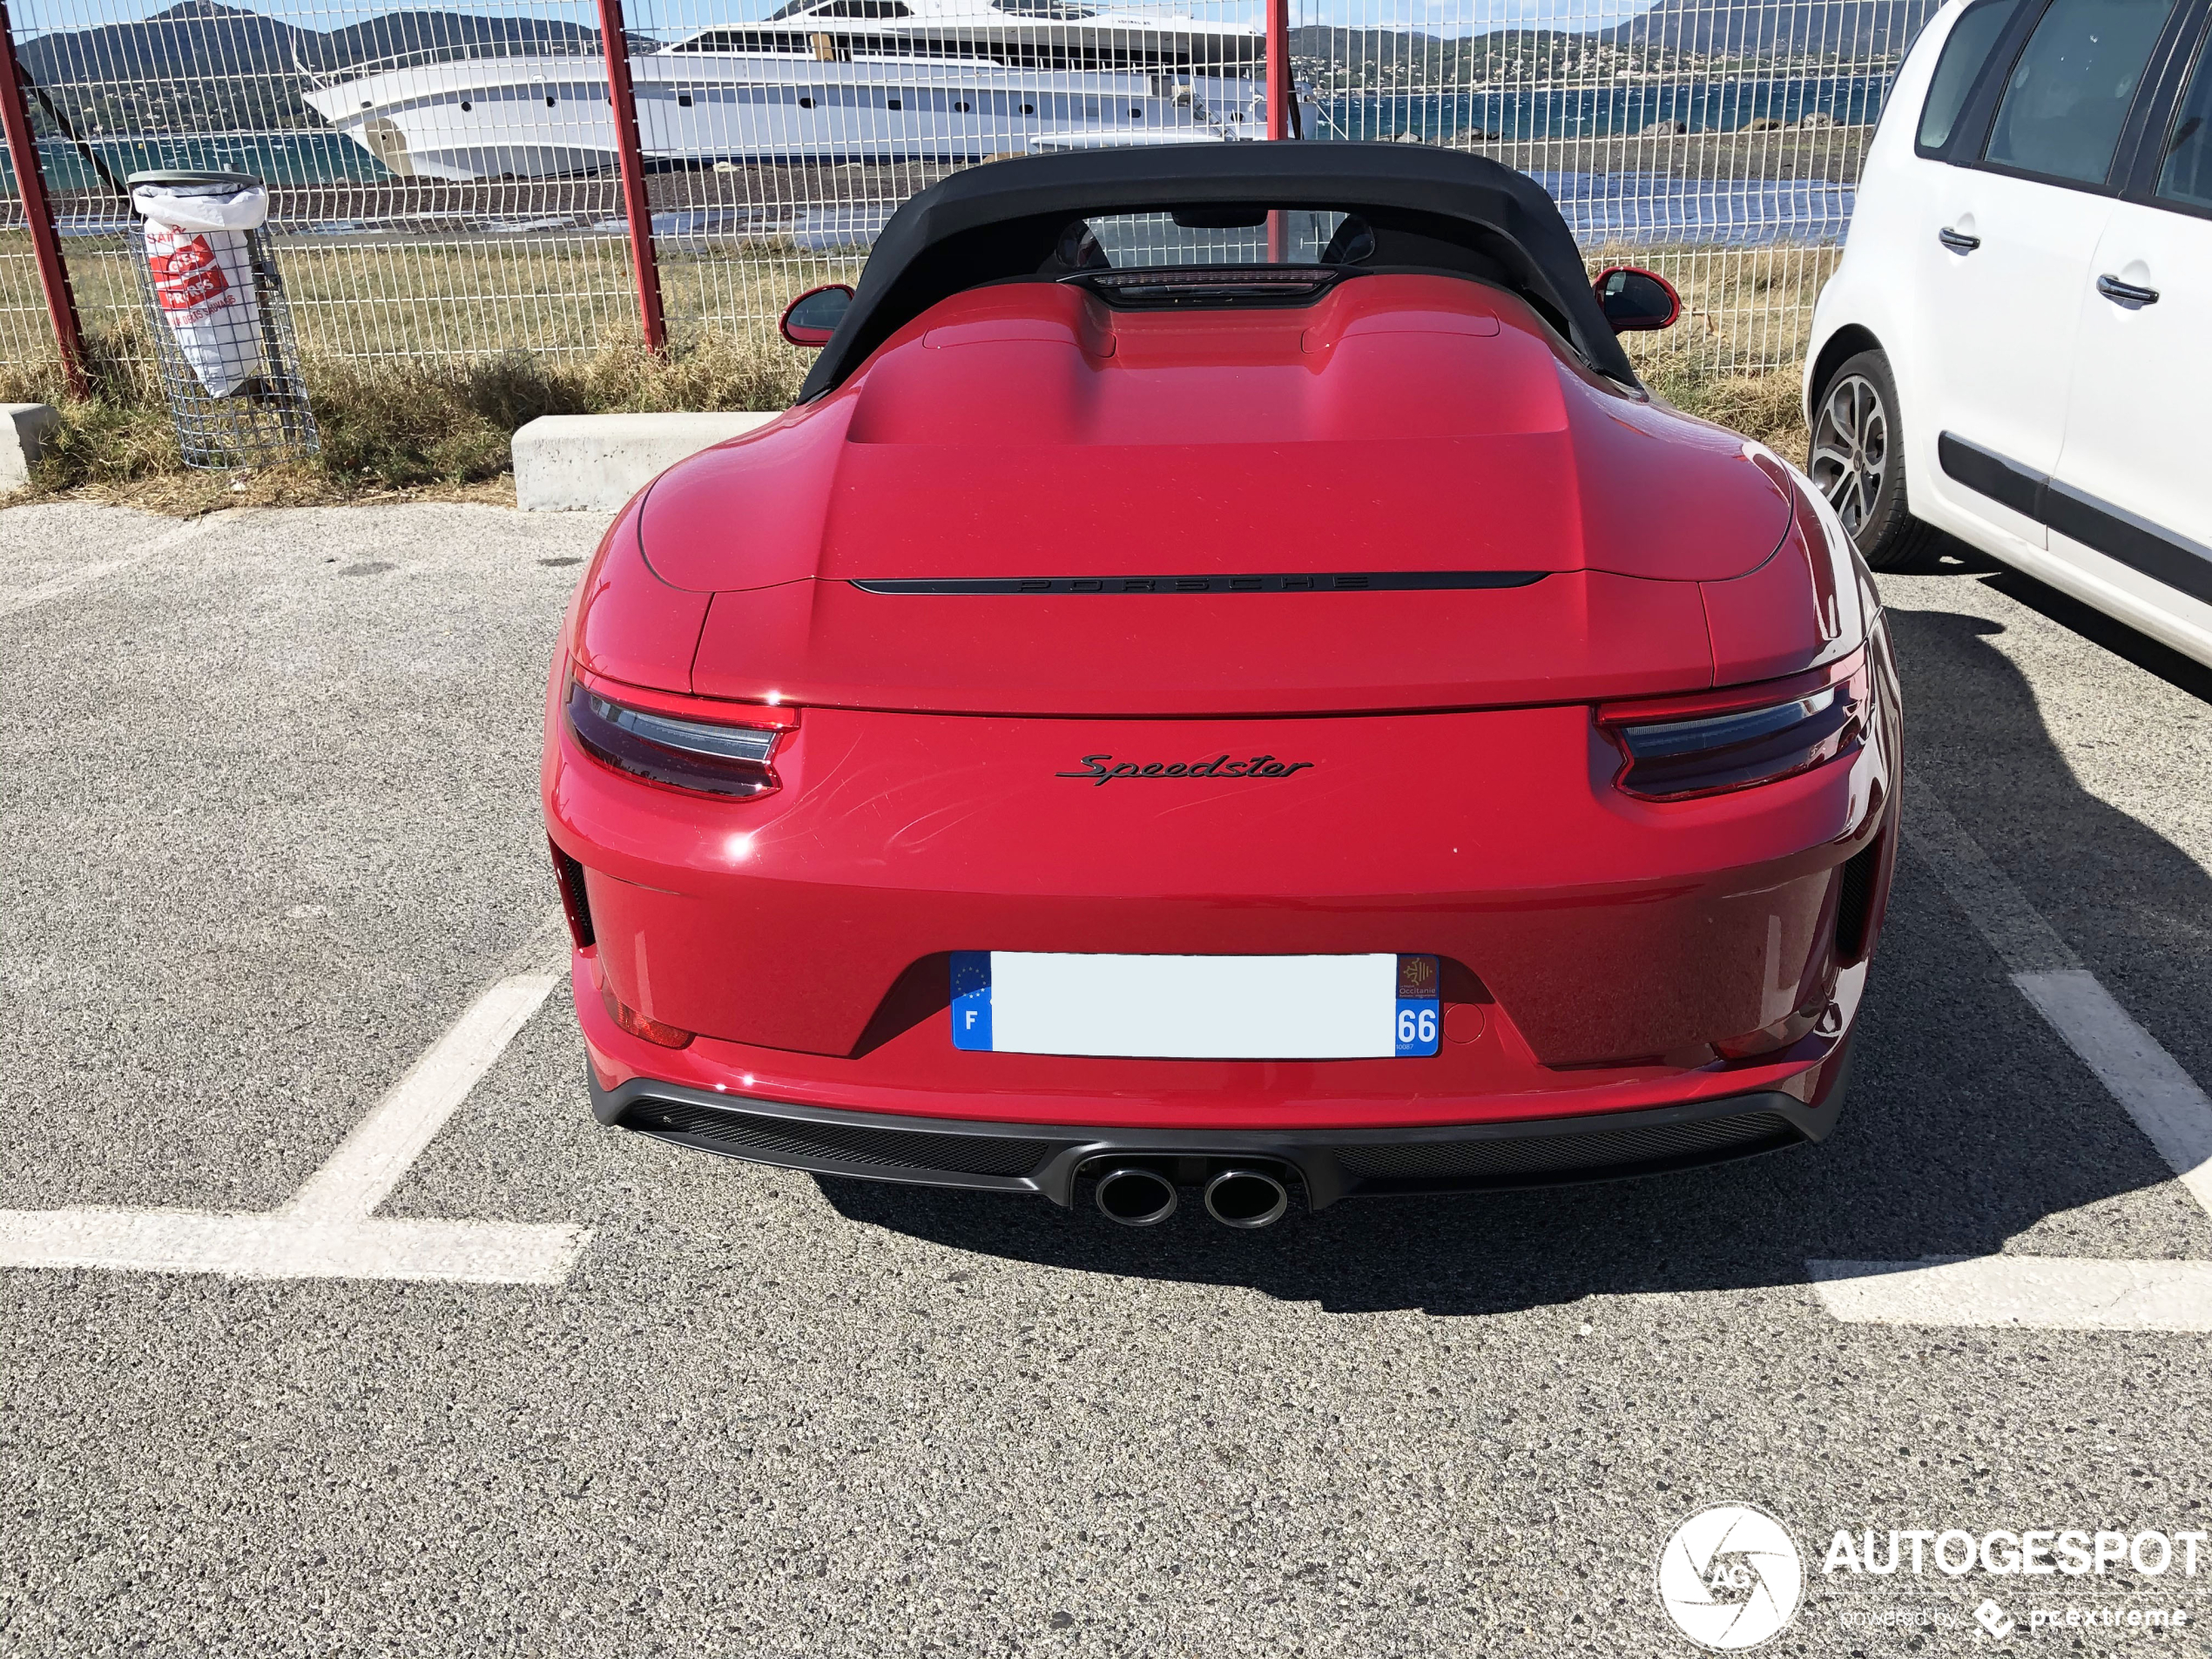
[
  {"x": 38, "y": 214},
  {"x": 614, "y": 42},
  {"x": 1278, "y": 69},
  {"x": 1278, "y": 107}
]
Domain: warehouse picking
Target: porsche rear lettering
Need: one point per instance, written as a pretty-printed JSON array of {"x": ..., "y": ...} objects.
[{"x": 1104, "y": 769}]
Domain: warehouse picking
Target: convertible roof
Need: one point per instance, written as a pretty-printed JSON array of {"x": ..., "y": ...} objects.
[{"x": 1428, "y": 207}]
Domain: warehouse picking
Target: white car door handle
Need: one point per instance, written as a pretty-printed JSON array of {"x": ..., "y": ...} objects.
[
  {"x": 2130, "y": 294},
  {"x": 1957, "y": 241}
]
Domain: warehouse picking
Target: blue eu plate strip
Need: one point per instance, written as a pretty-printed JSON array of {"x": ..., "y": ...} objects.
[{"x": 972, "y": 999}]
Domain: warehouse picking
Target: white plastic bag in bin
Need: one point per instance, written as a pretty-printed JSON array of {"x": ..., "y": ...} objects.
[{"x": 203, "y": 278}]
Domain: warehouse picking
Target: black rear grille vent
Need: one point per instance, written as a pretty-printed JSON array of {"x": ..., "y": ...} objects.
[
  {"x": 754, "y": 1133},
  {"x": 575, "y": 902},
  {"x": 1301, "y": 581},
  {"x": 1855, "y": 904}
]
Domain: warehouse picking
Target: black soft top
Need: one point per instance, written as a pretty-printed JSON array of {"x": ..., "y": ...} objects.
[{"x": 1429, "y": 209}]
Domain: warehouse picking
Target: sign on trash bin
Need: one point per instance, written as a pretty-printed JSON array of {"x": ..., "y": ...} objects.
[{"x": 202, "y": 277}]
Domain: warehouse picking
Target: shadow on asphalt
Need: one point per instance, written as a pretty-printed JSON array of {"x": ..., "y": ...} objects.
[
  {"x": 1968, "y": 1120},
  {"x": 2145, "y": 653},
  {"x": 1954, "y": 557}
]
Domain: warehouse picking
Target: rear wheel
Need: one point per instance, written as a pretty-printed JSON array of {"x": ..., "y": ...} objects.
[{"x": 1858, "y": 460}]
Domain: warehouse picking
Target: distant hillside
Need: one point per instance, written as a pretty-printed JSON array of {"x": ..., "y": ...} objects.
[
  {"x": 1382, "y": 60},
  {"x": 1675, "y": 37},
  {"x": 201, "y": 66},
  {"x": 1844, "y": 29}
]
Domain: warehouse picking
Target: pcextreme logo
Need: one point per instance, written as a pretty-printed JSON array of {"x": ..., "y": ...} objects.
[{"x": 1730, "y": 1577}]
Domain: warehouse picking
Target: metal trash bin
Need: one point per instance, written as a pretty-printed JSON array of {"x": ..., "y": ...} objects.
[{"x": 222, "y": 330}]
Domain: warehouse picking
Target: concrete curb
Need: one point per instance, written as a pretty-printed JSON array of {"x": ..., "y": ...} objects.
[
  {"x": 595, "y": 463},
  {"x": 24, "y": 427}
]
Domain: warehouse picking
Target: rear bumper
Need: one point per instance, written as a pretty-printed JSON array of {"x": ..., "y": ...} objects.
[
  {"x": 1330, "y": 1163},
  {"x": 1628, "y": 986},
  {"x": 1583, "y": 928}
]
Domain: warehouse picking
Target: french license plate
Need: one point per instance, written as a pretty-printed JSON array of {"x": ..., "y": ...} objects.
[{"x": 1196, "y": 1007}]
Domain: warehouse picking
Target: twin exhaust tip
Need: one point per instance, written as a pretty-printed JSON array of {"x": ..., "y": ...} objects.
[
  {"x": 1246, "y": 1199},
  {"x": 1136, "y": 1196}
]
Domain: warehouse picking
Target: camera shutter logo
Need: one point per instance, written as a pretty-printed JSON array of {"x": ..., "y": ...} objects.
[{"x": 1730, "y": 1577}]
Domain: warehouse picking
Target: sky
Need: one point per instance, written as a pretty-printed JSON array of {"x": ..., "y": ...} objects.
[{"x": 1437, "y": 17}]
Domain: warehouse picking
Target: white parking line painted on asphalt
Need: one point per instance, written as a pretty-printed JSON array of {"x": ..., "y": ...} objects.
[
  {"x": 2036, "y": 1293},
  {"x": 369, "y": 1162},
  {"x": 327, "y": 1231},
  {"x": 2149, "y": 1084},
  {"x": 2023, "y": 939},
  {"x": 2045, "y": 1292},
  {"x": 279, "y": 1245},
  {"x": 68, "y": 581},
  {"x": 2165, "y": 1102}
]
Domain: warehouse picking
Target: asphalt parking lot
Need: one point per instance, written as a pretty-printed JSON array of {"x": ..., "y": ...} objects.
[{"x": 268, "y": 828}]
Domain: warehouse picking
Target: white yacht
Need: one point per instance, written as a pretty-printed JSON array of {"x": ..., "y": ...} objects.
[{"x": 820, "y": 80}]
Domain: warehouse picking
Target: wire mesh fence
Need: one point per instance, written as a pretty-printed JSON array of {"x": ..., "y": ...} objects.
[
  {"x": 806, "y": 128},
  {"x": 1717, "y": 143},
  {"x": 444, "y": 183},
  {"x": 385, "y": 261}
]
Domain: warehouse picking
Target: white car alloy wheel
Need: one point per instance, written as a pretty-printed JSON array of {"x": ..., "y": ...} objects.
[{"x": 1851, "y": 449}]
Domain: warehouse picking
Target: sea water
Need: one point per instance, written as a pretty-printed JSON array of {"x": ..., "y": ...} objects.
[{"x": 1626, "y": 206}]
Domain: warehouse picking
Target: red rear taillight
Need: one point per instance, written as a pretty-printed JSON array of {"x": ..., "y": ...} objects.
[
  {"x": 1712, "y": 742},
  {"x": 708, "y": 757}
]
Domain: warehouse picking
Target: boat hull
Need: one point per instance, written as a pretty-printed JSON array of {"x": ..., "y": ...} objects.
[{"x": 527, "y": 117}]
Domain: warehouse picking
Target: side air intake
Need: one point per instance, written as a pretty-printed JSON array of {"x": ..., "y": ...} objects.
[{"x": 1854, "y": 908}]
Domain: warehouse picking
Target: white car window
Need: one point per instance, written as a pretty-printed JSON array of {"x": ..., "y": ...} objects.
[
  {"x": 2068, "y": 97},
  {"x": 2187, "y": 174},
  {"x": 1973, "y": 37}
]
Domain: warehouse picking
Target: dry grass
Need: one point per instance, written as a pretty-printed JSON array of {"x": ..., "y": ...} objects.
[
  {"x": 420, "y": 360},
  {"x": 398, "y": 432},
  {"x": 438, "y": 299},
  {"x": 387, "y": 429},
  {"x": 1734, "y": 356},
  {"x": 410, "y": 402},
  {"x": 565, "y": 297},
  {"x": 1744, "y": 310},
  {"x": 444, "y": 435},
  {"x": 1762, "y": 406}
]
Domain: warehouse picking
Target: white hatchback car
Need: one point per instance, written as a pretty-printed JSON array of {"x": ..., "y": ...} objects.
[{"x": 2015, "y": 347}]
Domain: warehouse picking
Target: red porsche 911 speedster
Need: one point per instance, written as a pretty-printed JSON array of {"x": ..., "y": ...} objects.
[{"x": 1224, "y": 681}]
